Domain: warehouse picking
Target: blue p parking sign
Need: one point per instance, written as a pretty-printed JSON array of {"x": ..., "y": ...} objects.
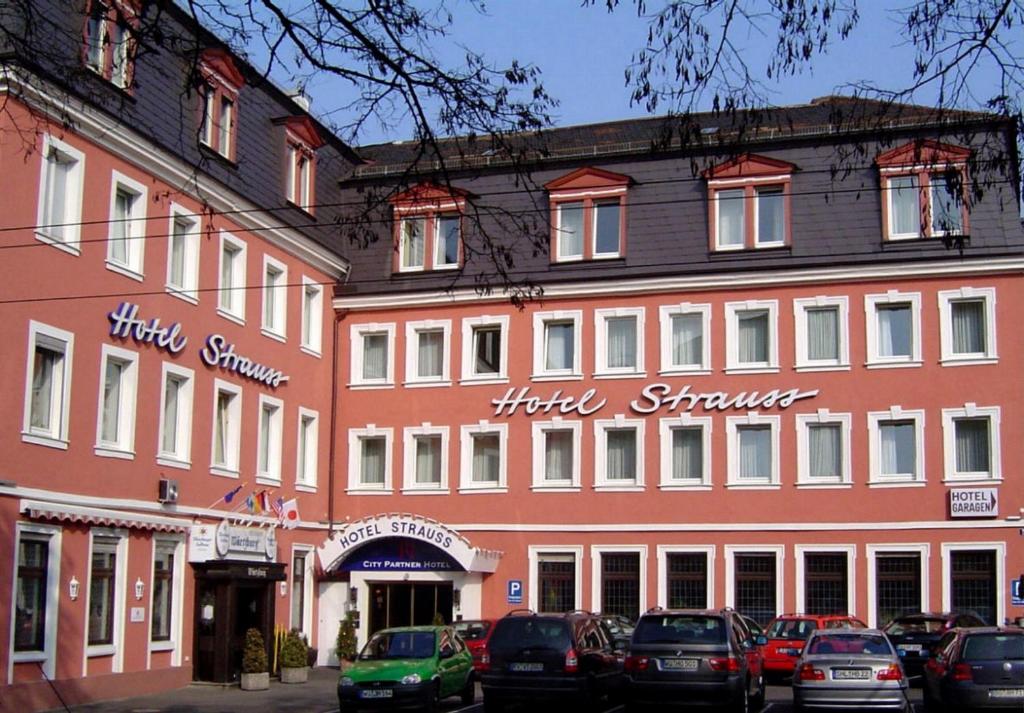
[{"x": 515, "y": 591}]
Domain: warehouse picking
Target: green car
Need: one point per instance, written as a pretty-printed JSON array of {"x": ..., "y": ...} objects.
[{"x": 408, "y": 667}]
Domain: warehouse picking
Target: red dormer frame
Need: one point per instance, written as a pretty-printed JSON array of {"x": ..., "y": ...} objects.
[
  {"x": 302, "y": 139},
  {"x": 590, "y": 188},
  {"x": 748, "y": 179},
  {"x": 424, "y": 206},
  {"x": 220, "y": 84},
  {"x": 106, "y": 19},
  {"x": 921, "y": 160}
]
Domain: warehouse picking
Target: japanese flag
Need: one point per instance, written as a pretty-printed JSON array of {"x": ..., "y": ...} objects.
[{"x": 290, "y": 514}]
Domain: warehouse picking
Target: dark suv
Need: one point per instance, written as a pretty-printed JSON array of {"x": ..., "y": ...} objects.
[
  {"x": 915, "y": 635},
  {"x": 540, "y": 657},
  {"x": 976, "y": 668},
  {"x": 694, "y": 657}
]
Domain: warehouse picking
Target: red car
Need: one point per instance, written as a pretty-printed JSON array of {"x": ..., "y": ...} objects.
[
  {"x": 476, "y": 633},
  {"x": 787, "y": 634}
]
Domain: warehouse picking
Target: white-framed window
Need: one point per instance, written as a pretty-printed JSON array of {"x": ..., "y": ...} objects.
[
  {"x": 307, "y": 449},
  {"x": 425, "y": 461},
  {"x": 126, "y": 241},
  {"x": 754, "y": 577},
  {"x": 619, "y": 335},
  {"x": 115, "y": 417},
  {"x": 752, "y": 336},
  {"x": 176, "y": 398},
  {"x": 275, "y": 297},
  {"x": 685, "y": 444},
  {"x": 967, "y": 325},
  {"x": 485, "y": 349},
  {"x": 411, "y": 244},
  {"x": 227, "y": 428},
  {"x": 893, "y": 322},
  {"x": 35, "y": 601},
  {"x": 369, "y": 459},
  {"x": 105, "y": 594},
  {"x": 268, "y": 444},
  {"x": 897, "y": 580},
  {"x": 822, "y": 333},
  {"x": 183, "y": 254},
  {"x": 232, "y": 285},
  {"x": 618, "y": 579},
  {"x": 108, "y": 44},
  {"x": 428, "y": 346},
  {"x": 447, "y": 240},
  {"x": 61, "y": 182},
  {"x": 973, "y": 574},
  {"x": 311, "y": 339},
  {"x": 896, "y": 447},
  {"x": 167, "y": 596},
  {"x": 569, "y": 229},
  {"x": 556, "y": 454},
  {"x": 556, "y": 578},
  {"x": 823, "y": 449},
  {"x": 300, "y": 175},
  {"x": 970, "y": 438},
  {"x": 619, "y": 453},
  {"x": 484, "y": 459},
  {"x": 372, "y": 352},
  {"x": 301, "y": 576},
  {"x": 826, "y": 578},
  {"x": 686, "y": 576},
  {"x": 730, "y": 219},
  {"x": 685, "y": 338},
  {"x": 557, "y": 344},
  {"x": 47, "y": 385},
  {"x": 753, "y": 450}
]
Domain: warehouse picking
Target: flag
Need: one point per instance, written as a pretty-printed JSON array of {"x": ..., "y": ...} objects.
[
  {"x": 278, "y": 507},
  {"x": 250, "y": 504},
  {"x": 290, "y": 514},
  {"x": 263, "y": 499},
  {"x": 229, "y": 496}
]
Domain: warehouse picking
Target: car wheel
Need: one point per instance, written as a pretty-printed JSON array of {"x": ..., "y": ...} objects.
[
  {"x": 493, "y": 705},
  {"x": 762, "y": 692},
  {"x": 468, "y": 694},
  {"x": 433, "y": 698},
  {"x": 743, "y": 705}
]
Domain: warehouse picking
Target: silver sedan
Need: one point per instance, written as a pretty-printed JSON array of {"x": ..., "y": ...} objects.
[{"x": 855, "y": 669}]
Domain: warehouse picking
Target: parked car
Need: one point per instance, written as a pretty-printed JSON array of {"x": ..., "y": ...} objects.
[
  {"x": 976, "y": 668},
  {"x": 787, "y": 633},
  {"x": 696, "y": 657},
  {"x": 476, "y": 633},
  {"x": 542, "y": 657},
  {"x": 855, "y": 669},
  {"x": 408, "y": 667},
  {"x": 917, "y": 634}
]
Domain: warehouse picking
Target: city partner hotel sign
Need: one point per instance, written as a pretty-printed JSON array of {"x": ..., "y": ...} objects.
[{"x": 653, "y": 397}]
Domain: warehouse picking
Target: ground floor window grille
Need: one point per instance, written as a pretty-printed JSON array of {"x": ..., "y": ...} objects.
[
  {"x": 556, "y": 583},
  {"x": 825, "y": 583},
  {"x": 755, "y": 586},
  {"x": 620, "y": 584},
  {"x": 973, "y": 583},
  {"x": 687, "y": 580},
  {"x": 897, "y": 586}
]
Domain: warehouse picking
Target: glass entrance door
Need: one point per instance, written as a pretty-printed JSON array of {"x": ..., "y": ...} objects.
[{"x": 408, "y": 603}]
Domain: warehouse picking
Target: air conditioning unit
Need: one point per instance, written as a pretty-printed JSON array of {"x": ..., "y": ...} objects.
[{"x": 168, "y": 491}]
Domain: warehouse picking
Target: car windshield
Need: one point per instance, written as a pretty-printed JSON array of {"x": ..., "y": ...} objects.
[
  {"x": 792, "y": 629},
  {"x": 847, "y": 644},
  {"x": 994, "y": 647},
  {"x": 679, "y": 629},
  {"x": 531, "y": 633},
  {"x": 399, "y": 645},
  {"x": 898, "y": 627},
  {"x": 473, "y": 630}
]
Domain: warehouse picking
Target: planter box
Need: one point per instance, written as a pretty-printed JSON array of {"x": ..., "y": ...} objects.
[
  {"x": 255, "y": 681},
  {"x": 294, "y": 675}
]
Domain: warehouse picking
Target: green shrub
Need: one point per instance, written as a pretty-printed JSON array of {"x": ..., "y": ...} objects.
[
  {"x": 345, "y": 646},
  {"x": 293, "y": 651},
  {"x": 254, "y": 656}
]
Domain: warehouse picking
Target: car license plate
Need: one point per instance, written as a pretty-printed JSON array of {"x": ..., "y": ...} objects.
[
  {"x": 680, "y": 664},
  {"x": 909, "y": 647},
  {"x": 1006, "y": 693},
  {"x": 851, "y": 674},
  {"x": 789, "y": 652},
  {"x": 526, "y": 666},
  {"x": 376, "y": 693}
]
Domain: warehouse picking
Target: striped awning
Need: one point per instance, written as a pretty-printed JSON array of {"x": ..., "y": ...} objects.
[{"x": 63, "y": 512}]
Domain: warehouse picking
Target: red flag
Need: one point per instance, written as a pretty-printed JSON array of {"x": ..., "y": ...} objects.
[{"x": 290, "y": 514}]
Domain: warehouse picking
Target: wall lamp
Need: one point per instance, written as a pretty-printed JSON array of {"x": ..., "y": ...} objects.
[
  {"x": 140, "y": 587},
  {"x": 457, "y": 598},
  {"x": 73, "y": 587}
]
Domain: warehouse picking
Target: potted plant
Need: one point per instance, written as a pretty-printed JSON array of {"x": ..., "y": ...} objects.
[
  {"x": 293, "y": 659},
  {"x": 345, "y": 646},
  {"x": 255, "y": 676}
]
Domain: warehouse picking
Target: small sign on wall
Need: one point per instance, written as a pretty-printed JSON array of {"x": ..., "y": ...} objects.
[
  {"x": 515, "y": 591},
  {"x": 973, "y": 502},
  {"x": 137, "y": 615}
]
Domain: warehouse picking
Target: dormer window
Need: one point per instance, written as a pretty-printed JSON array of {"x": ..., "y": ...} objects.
[
  {"x": 588, "y": 215},
  {"x": 220, "y": 83},
  {"x": 924, "y": 190},
  {"x": 428, "y": 228},
  {"x": 301, "y": 139},
  {"x": 749, "y": 203},
  {"x": 107, "y": 36}
]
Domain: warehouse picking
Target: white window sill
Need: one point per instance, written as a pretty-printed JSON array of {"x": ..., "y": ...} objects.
[
  {"x": 182, "y": 294},
  {"x": 763, "y": 485},
  {"x": 112, "y": 452},
  {"x": 809, "y": 485},
  {"x": 125, "y": 270},
  {"x": 305, "y": 488},
  {"x": 310, "y": 350},
  {"x": 482, "y": 490},
  {"x": 625, "y": 488},
  {"x": 265, "y": 479},
  {"x": 231, "y": 316},
  {"x": 424, "y": 491},
  {"x": 969, "y": 361},
  {"x": 426, "y": 384},
  {"x": 273, "y": 334},
  {"x": 896, "y": 484},
  {"x": 955, "y": 480},
  {"x": 102, "y": 650},
  {"x": 162, "y": 646},
  {"x": 223, "y": 471},
  {"x": 759, "y": 369},
  {"x": 684, "y": 371},
  {"x": 171, "y": 462},
  {"x": 29, "y": 656},
  {"x": 676, "y": 487},
  {"x": 369, "y": 491},
  {"x": 558, "y": 488},
  {"x": 822, "y": 367},
  {"x": 483, "y": 380},
  {"x": 568, "y": 376},
  {"x": 909, "y": 364},
  {"x": 366, "y": 386},
  {"x": 620, "y": 375},
  {"x": 70, "y": 248},
  {"x": 47, "y": 441}
]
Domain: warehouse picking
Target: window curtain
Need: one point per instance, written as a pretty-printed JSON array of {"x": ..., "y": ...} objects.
[
  {"x": 43, "y": 371},
  {"x": 428, "y": 459},
  {"x": 621, "y": 454},
  {"x": 112, "y": 383},
  {"x": 823, "y": 334},
  {"x": 486, "y": 453},
  {"x": 897, "y": 450},
  {"x": 968, "y": 327},
  {"x": 169, "y": 441},
  {"x": 430, "y": 354},
  {"x": 178, "y": 253},
  {"x": 687, "y": 454},
  {"x": 621, "y": 342},
  {"x": 825, "y": 458},
  {"x": 730, "y": 217},
  {"x": 560, "y": 345},
  {"x": 120, "y": 227},
  {"x": 488, "y": 350},
  {"x": 752, "y": 333},
  {"x": 755, "y": 443},
  {"x": 372, "y": 466},
  {"x": 221, "y": 437},
  {"x": 687, "y": 340},
  {"x": 558, "y": 465},
  {"x": 570, "y": 230},
  {"x": 266, "y": 414},
  {"x": 972, "y": 445},
  {"x": 412, "y": 239},
  {"x": 58, "y": 174},
  {"x": 894, "y": 331},
  {"x": 226, "y": 278},
  {"x": 375, "y": 356},
  {"x": 905, "y": 203}
]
